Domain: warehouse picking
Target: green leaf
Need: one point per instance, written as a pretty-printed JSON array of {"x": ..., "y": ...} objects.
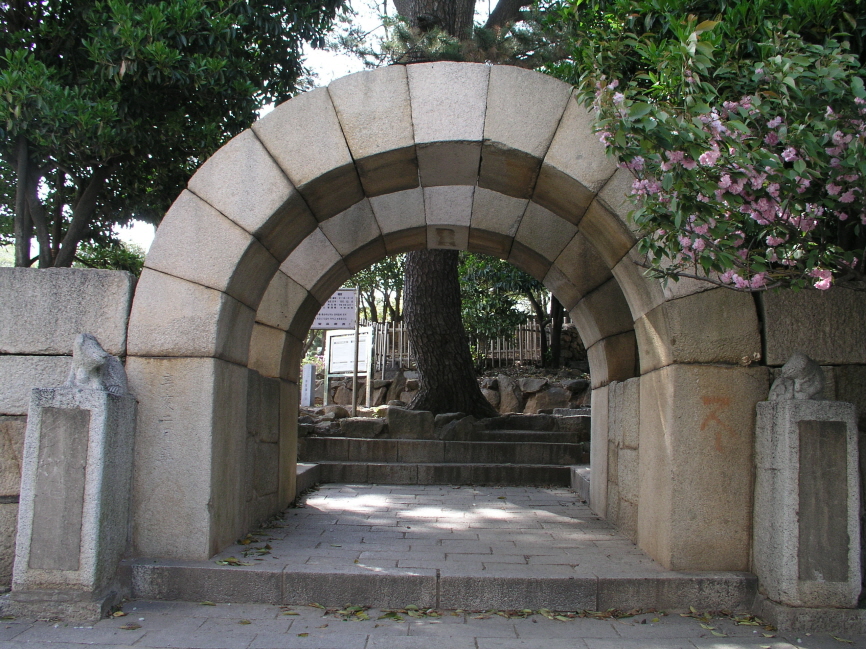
[{"x": 639, "y": 109}]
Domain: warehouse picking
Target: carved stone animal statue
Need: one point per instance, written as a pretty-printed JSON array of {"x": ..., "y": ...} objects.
[
  {"x": 799, "y": 378},
  {"x": 93, "y": 368}
]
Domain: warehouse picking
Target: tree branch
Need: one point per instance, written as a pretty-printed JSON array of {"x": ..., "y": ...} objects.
[
  {"x": 83, "y": 210},
  {"x": 505, "y": 12}
]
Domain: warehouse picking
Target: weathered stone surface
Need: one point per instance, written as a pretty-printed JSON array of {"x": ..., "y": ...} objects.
[
  {"x": 376, "y": 116},
  {"x": 530, "y": 385},
  {"x": 544, "y": 232},
  {"x": 580, "y": 262},
  {"x": 191, "y": 427},
  {"x": 807, "y": 503},
  {"x": 338, "y": 411},
  {"x": 560, "y": 286},
  {"x": 283, "y": 298},
  {"x": 20, "y": 374},
  {"x": 607, "y": 233},
  {"x": 449, "y": 101},
  {"x": 363, "y": 427},
  {"x": 243, "y": 182},
  {"x": 174, "y": 317},
  {"x": 445, "y": 418},
  {"x": 352, "y": 229},
  {"x": 197, "y": 243},
  {"x": 263, "y": 407},
  {"x": 448, "y": 237},
  {"x": 511, "y": 397},
  {"x": 615, "y": 196},
  {"x": 642, "y": 293},
  {"x": 410, "y": 424},
  {"x": 613, "y": 359},
  {"x": 266, "y": 350},
  {"x": 523, "y": 112},
  {"x": 266, "y": 476},
  {"x": 315, "y": 157},
  {"x": 457, "y": 429},
  {"x": 314, "y": 264},
  {"x": 11, "y": 452},
  {"x": 400, "y": 211},
  {"x": 575, "y": 166},
  {"x": 718, "y": 326},
  {"x": 624, "y": 416},
  {"x": 576, "y": 386},
  {"x": 492, "y": 397},
  {"x": 598, "y": 449},
  {"x": 529, "y": 261},
  {"x": 827, "y": 325},
  {"x": 799, "y": 378},
  {"x": 495, "y": 212},
  {"x": 602, "y": 313},
  {"x": 288, "y": 486},
  {"x": 8, "y": 528},
  {"x": 696, "y": 464},
  {"x": 547, "y": 400},
  {"x": 850, "y": 385},
  {"x": 42, "y": 310},
  {"x": 448, "y": 206}
]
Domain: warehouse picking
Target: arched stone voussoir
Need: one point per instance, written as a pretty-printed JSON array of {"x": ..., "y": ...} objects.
[
  {"x": 524, "y": 109},
  {"x": 402, "y": 220},
  {"x": 244, "y": 183},
  {"x": 266, "y": 346},
  {"x": 580, "y": 263},
  {"x": 490, "y": 243},
  {"x": 717, "y": 326},
  {"x": 375, "y": 112},
  {"x": 305, "y": 138},
  {"x": 355, "y": 234},
  {"x": 602, "y": 313},
  {"x": 613, "y": 359},
  {"x": 198, "y": 243},
  {"x": 610, "y": 237},
  {"x": 174, "y": 317},
  {"x": 449, "y": 102},
  {"x": 316, "y": 265},
  {"x": 283, "y": 299},
  {"x": 544, "y": 232},
  {"x": 575, "y": 168}
]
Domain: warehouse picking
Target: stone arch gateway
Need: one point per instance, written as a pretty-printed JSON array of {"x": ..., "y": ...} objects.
[{"x": 493, "y": 159}]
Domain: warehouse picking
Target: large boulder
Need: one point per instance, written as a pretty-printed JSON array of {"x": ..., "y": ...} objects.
[
  {"x": 410, "y": 424},
  {"x": 457, "y": 429},
  {"x": 532, "y": 385},
  {"x": 398, "y": 386},
  {"x": 362, "y": 427},
  {"x": 492, "y": 397},
  {"x": 546, "y": 400},
  {"x": 510, "y": 395}
]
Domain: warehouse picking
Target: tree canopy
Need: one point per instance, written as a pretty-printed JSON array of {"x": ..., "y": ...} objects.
[{"x": 106, "y": 108}]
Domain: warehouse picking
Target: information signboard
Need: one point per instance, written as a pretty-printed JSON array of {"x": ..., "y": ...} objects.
[
  {"x": 341, "y": 351},
  {"x": 338, "y": 312}
]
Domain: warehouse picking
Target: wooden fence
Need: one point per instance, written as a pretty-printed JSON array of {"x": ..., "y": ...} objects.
[{"x": 393, "y": 350}]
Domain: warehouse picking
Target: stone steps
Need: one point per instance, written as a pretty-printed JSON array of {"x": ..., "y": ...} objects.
[
  {"x": 397, "y": 473},
  {"x": 525, "y": 436},
  {"x": 344, "y": 449}
]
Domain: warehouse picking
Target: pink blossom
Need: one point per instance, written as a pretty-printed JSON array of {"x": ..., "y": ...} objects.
[
  {"x": 666, "y": 166},
  {"x": 731, "y": 105},
  {"x": 840, "y": 138},
  {"x": 833, "y": 151},
  {"x": 773, "y": 190},
  {"x": 773, "y": 123},
  {"x": 613, "y": 84},
  {"x": 689, "y": 164},
  {"x": 701, "y": 229},
  {"x": 775, "y": 241},
  {"x": 758, "y": 280},
  {"x": 802, "y": 184},
  {"x": 829, "y": 111},
  {"x": 824, "y": 277},
  {"x": 605, "y": 138},
  {"x": 636, "y": 163},
  {"x": 833, "y": 189},
  {"x": 618, "y": 97},
  {"x": 847, "y": 197},
  {"x": 771, "y": 138},
  {"x": 835, "y": 163},
  {"x": 789, "y": 154},
  {"x": 739, "y": 282},
  {"x": 725, "y": 181},
  {"x": 842, "y": 216},
  {"x": 699, "y": 245},
  {"x": 709, "y": 158},
  {"x": 703, "y": 199}
]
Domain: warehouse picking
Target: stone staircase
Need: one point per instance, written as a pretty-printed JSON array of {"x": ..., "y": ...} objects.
[{"x": 519, "y": 450}]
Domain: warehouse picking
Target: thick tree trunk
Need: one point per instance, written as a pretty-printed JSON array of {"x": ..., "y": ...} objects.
[
  {"x": 23, "y": 224},
  {"x": 437, "y": 336},
  {"x": 453, "y": 16},
  {"x": 556, "y": 313}
]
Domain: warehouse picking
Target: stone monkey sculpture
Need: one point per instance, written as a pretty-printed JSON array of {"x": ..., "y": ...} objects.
[{"x": 93, "y": 368}]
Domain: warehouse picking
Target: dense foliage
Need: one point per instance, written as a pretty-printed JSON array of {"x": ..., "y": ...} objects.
[
  {"x": 745, "y": 126},
  {"x": 107, "y": 107}
]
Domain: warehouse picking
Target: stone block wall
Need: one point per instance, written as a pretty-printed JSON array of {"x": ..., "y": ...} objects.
[
  {"x": 623, "y": 455},
  {"x": 41, "y": 312},
  {"x": 261, "y": 488}
]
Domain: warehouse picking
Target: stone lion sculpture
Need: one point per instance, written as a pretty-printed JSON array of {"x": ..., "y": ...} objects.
[
  {"x": 799, "y": 378},
  {"x": 93, "y": 368}
]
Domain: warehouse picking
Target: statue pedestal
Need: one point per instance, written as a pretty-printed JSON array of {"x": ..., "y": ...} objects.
[
  {"x": 73, "y": 513},
  {"x": 807, "y": 503}
]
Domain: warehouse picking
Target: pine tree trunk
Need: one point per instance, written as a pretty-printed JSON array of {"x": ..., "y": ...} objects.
[
  {"x": 438, "y": 339},
  {"x": 556, "y": 313}
]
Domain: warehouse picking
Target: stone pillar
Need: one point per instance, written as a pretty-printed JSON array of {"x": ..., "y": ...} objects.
[
  {"x": 807, "y": 503},
  {"x": 75, "y": 492},
  {"x": 308, "y": 385}
]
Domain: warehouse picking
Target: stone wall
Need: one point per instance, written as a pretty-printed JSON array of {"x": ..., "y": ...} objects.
[
  {"x": 623, "y": 455},
  {"x": 261, "y": 488},
  {"x": 41, "y": 312}
]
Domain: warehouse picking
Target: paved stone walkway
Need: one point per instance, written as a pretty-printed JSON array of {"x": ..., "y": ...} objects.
[
  {"x": 260, "y": 626},
  {"x": 515, "y": 531}
]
